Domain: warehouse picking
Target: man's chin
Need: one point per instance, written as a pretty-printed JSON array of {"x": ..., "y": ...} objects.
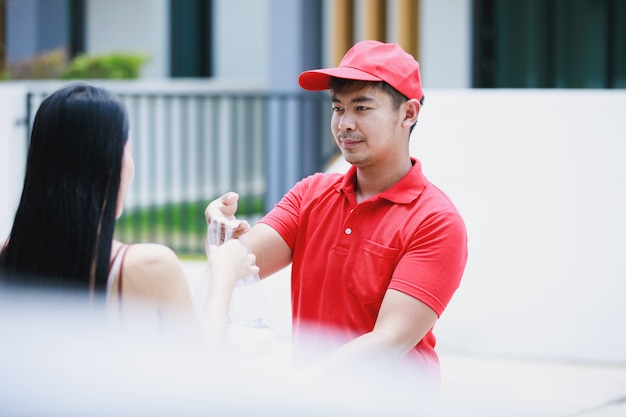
[{"x": 354, "y": 160}]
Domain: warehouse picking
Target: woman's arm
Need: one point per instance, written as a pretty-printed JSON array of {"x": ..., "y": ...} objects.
[
  {"x": 153, "y": 275},
  {"x": 229, "y": 263}
]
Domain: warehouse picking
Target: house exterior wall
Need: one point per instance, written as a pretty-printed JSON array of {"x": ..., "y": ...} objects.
[
  {"x": 130, "y": 26},
  {"x": 241, "y": 39},
  {"x": 33, "y": 27},
  {"x": 445, "y": 43},
  {"x": 243, "y": 47}
]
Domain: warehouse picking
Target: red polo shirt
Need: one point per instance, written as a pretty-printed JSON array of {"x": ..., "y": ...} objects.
[{"x": 408, "y": 238}]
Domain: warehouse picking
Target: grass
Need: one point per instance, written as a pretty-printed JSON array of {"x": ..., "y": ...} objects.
[{"x": 181, "y": 226}]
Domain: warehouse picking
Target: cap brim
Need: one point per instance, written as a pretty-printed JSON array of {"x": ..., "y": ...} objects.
[{"x": 315, "y": 80}]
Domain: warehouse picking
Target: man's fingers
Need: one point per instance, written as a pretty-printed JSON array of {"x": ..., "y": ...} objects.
[{"x": 222, "y": 208}]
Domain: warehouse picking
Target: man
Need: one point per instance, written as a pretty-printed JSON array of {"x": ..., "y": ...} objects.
[{"x": 376, "y": 253}]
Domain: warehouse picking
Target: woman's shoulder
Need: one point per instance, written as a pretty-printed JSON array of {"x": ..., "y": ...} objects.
[
  {"x": 155, "y": 268},
  {"x": 152, "y": 258},
  {"x": 151, "y": 253}
]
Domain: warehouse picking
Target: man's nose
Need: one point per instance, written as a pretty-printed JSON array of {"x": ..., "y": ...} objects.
[{"x": 346, "y": 122}]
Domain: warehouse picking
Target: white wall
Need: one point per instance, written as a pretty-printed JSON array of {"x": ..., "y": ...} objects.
[
  {"x": 12, "y": 152},
  {"x": 540, "y": 179},
  {"x": 131, "y": 26},
  {"x": 445, "y": 43}
]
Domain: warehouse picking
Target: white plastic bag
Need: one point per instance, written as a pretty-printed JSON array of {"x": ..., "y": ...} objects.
[{"x": 249, "y": 326}]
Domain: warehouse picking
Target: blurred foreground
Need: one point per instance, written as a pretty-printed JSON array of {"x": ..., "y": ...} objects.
[
  {"x": 61, "y": 357},
  {"x": 57, "y": 357}
]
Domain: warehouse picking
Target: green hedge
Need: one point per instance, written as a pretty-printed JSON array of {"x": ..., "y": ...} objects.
[
  {"x": 180, "y": 226},
  {"x": 110, "y": 66}
]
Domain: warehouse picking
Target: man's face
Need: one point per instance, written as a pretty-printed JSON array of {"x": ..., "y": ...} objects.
[{"x": 366, "y": 127}]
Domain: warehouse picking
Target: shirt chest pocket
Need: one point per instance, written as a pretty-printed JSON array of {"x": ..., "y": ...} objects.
[{"x": 369, "y": 270}]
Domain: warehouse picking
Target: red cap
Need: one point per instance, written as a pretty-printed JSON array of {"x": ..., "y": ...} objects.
[{"x": 371, "y": 61}]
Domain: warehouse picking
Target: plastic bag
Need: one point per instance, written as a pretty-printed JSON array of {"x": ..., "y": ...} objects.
[{"x": 249, "y": 326}]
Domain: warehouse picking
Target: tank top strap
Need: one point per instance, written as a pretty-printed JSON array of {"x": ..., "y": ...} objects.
[{"x": 116, "y": 269}]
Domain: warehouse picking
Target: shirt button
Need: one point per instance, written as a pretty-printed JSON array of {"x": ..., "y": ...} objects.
[{"x": 348, "y": 231}]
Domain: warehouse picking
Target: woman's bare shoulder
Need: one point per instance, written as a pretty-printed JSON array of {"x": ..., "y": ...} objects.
[
  {"x": 153, "y": 261},
  {"x": 154, "y": 275},
  {"x": 156, "y": 269},
  {"x": 151, "y": 253}
]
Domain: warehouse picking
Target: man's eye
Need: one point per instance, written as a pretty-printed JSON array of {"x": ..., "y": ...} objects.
[
  {"x": 337, "y": 109},
  {"x": 361, "y": 108}
]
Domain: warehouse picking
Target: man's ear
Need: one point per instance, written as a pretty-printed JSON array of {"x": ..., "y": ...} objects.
[{"x": 411, "y": 111}]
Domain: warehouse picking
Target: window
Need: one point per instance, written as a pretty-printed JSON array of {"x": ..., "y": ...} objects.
[
  {"x": 190, "y": 42},
  {"x": 77, "y": 27},
  {"x": 549, "y": 44}
]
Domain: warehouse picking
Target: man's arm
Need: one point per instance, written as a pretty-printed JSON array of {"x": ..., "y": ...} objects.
[
  {"x": 402, "y": 322},
  {"x": 271, "y": 251}
]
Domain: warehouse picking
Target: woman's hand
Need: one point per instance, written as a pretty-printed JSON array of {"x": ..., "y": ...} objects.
[{"x": 231, "y": 262}]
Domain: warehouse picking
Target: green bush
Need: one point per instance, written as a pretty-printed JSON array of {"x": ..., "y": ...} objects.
[{"x": 115, "y": 65}]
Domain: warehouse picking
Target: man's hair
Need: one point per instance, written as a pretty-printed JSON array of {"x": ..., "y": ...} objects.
[{"x": 64, "y": 223}]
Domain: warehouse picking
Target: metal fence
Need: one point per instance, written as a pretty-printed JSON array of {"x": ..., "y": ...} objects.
[{"x": 190, "y": 147}]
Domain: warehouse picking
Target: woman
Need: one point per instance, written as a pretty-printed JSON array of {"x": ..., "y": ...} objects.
[{"x": 78, "y": 171}]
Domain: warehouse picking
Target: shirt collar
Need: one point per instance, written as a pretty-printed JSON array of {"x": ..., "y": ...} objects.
[{"x": 404, "y": 191}]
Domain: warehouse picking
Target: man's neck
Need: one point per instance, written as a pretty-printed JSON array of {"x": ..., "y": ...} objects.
[{"x": 374, "y": 180}]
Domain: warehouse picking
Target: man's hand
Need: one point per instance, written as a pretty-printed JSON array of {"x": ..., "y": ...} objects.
[{"x": 222, "y": 210}]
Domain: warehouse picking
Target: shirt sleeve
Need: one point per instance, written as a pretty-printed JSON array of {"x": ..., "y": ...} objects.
[
  {"x": 285, "y": 216},
  {"x": 432, "y": 267}
]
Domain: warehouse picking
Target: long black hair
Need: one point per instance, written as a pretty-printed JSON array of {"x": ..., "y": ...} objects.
[{"x": 64, "y": 224}]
